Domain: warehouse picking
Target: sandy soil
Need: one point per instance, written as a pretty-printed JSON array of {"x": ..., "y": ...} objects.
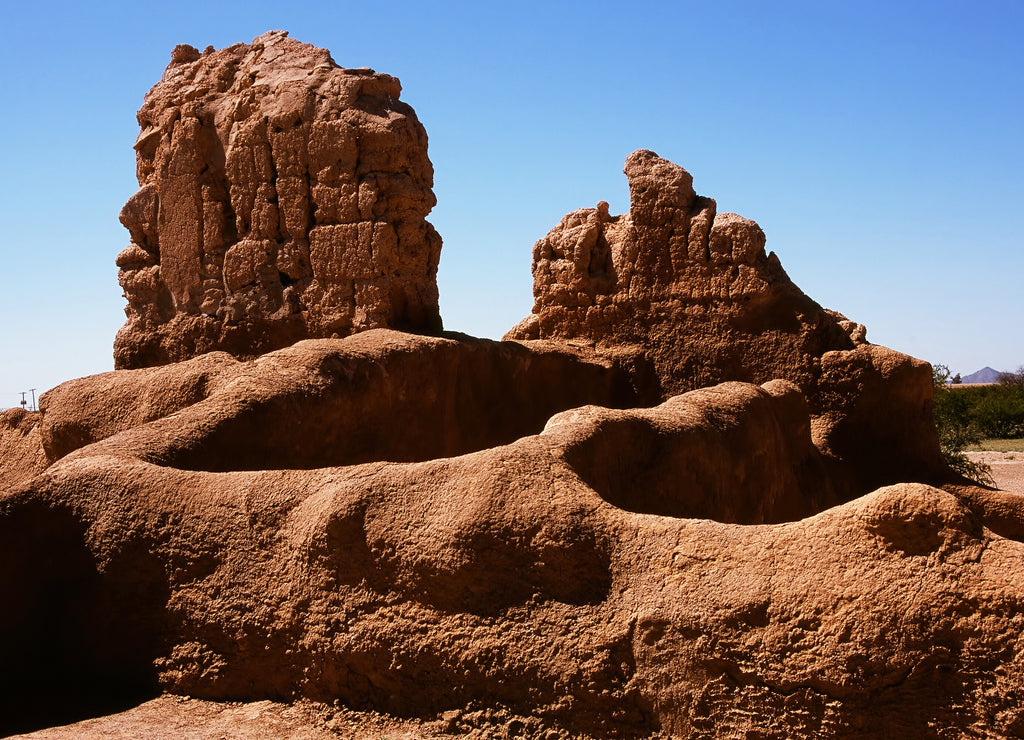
[
  {"x": 182, "y": 718},
  {"x": 1007, "y": 468},
  {"x": 177, "y": 718}
]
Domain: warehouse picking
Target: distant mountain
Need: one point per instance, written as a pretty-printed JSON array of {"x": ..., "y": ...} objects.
[{"x": 985, "y": 375}]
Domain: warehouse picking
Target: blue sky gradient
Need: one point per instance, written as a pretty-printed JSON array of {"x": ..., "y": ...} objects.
[{"x": 878, "y": 144}]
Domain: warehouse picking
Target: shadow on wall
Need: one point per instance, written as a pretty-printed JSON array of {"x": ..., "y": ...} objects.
[
  {"x": 377, "y": 396},
  {"x": 78, "y": 643}
]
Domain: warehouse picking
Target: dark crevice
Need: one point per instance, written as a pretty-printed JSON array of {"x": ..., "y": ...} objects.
[{"x": 77, "y": 643}]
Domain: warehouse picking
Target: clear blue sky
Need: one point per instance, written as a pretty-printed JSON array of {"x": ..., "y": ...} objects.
[{"x": 878, "y": 144}]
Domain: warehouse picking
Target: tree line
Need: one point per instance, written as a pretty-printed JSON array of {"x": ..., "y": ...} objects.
[
  {"x": 967, "y": 414},
  {"x": 993, "y": 411}
]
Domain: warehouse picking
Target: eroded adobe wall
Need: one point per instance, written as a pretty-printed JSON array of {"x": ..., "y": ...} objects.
[
  {"x": 693, "y": 293},
  {"x": 281, "y": 197}
]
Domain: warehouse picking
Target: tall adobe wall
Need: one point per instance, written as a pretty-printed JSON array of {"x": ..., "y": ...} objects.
[
  {"x": 693, "y": 295},
  {"x": 693, "y": 287},
  {"x": 281, "y": 197}
]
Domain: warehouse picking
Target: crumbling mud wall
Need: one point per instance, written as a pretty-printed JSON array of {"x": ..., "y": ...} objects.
[
  {"x": 694, "y": 294},
  {"x": 281, "y": 197}
]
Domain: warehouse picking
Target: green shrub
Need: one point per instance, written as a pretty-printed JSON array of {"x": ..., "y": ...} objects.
[
  {"x": 956, "y": 427},
  {"x": 1000, "y": 415},
  {"x": 996, "y": 411}
]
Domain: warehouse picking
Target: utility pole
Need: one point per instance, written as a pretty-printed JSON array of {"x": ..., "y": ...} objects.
[
  {"x": 34, "y": 399},
  {"x": 23, "y": 401}
]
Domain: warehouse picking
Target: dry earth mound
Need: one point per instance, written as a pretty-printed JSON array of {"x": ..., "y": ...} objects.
[
  {"x": 281, "y": 197},
  {"x": 692, "y": 287},
  {"x": 607, "y": 572}
]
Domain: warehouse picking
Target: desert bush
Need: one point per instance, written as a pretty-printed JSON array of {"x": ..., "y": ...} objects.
[
  {"x": 957, "y": 429},
  {"x": 995, "y": 411},
  {"x": 999, "y": 415},
  {"x": 1013, "y": 380}
]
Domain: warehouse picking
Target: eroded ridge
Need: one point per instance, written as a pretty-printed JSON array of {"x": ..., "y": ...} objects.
[
  {"x": 619, "y": 572},
  {"x": 378, "y": 396}
]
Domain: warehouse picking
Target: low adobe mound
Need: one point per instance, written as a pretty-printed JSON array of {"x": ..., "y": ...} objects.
[
  {"x": 381, "y": 395},
  {"x": 281, "y": 197},
  {"x": 609, "y": 573}
]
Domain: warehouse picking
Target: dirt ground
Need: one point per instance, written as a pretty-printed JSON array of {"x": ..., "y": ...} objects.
[
  {"x": 182, "y": 718},
  {"x": 1007, "y": 468}
]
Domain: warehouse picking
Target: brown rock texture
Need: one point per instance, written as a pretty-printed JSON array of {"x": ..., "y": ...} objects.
[
  {"x": 21, "y": 452},
  {"x": 500, "y": 545},
  {"x": 692, "y": 287},
  {"x": 281, "y": 197},
  {"x": 379, "y": 395},
  {"x": 694, "y": 294}
]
